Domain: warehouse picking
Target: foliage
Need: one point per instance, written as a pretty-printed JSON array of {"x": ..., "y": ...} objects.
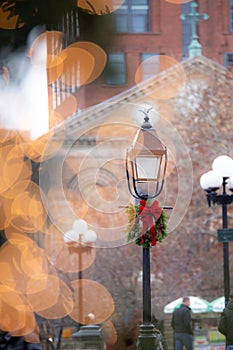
[{"x": 147, "y": 223}]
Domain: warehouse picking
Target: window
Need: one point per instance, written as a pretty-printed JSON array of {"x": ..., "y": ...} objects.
[
  {"x": 228, "y": 59},
  {"x": 186, "y": 31},
  {"x": 115, "y": 72},
  {"x": 132, "y": 16},
  {"x": 151, "y": 65},
  {"x": 231, "y": 15}
]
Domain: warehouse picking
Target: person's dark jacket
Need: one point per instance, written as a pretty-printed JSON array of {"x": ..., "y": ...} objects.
[
  {"x": 8, "y": 342},
  {"x": 225, "y": 325},
  {"x": 182, "y": 320}
]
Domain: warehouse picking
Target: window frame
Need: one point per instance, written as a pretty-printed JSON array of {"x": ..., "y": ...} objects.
[
  {"x": 231, "y": 16},
  {"x": 226, "y": 60},
  {"x": 120, "y": 66},
  {"x": 131, "y": 13},
  {"x": 144, "y": 56}
]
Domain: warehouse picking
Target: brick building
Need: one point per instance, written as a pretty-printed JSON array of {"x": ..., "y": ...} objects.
[
  {"x": 147, "y": 28},
  {"x": 147, "y": 32}
]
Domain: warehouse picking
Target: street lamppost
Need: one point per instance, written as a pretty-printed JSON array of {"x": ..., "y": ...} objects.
[
  {"x": 80, "y": 235},
  {"x": 88, "y": 336},
  {"x": 146, "y": 162},
  {"x": 217, "y": 183}
]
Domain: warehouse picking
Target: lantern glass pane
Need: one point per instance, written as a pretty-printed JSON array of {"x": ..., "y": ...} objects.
[{"x": 147, "y": 168}]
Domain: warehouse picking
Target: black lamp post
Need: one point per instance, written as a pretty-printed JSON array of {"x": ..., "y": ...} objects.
[
  {"x": 146, "y": 162},
  {"x": 217, "y": 183}
]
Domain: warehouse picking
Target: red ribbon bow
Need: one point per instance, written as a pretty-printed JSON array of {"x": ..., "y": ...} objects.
[{"x": 148, "y": 215}]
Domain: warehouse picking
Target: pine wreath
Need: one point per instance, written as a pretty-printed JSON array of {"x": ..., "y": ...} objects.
[{"x": 147, "y": 223}]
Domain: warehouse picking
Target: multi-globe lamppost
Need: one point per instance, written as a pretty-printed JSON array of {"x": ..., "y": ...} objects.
[
  {"x": 88, "y": 336},
  {"x": 218, "y": 184},
  {"x": 146, "y": 162}
]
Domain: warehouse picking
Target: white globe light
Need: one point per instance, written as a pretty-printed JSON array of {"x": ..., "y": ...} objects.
[
  {"x": 211, "y": 179},
  {"x": 71, "y": 236},
  {"x": 223, "y": 165},
  {"x": 89, "y": 237},
  {"x": 80, "y": 226}
]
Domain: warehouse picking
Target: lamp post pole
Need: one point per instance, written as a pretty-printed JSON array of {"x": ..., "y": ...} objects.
[
  {"x": 146, "y": 285},
  {"x": 226, "y": 271},
  {"x": 221, "y": 177},
  {"x": 146, "y": 162},
  {"x": 80, "y": 275}
]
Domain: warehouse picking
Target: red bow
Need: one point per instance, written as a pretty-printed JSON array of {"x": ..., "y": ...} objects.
[{"x": 148, "y": 215}]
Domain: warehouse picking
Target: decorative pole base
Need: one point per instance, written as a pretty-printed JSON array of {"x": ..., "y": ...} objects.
[{"x": 148, "y": 339}]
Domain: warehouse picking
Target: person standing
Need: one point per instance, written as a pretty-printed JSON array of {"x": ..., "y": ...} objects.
[
  {"x": 225, "y": 325},
  {"x": 182, "y": 326}
]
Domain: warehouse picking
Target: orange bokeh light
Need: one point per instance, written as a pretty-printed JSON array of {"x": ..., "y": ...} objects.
[
  {"x": 178, "y": 1},
  {"x": 18, "y": 187},
  {"x": 11, "y": 163},
  {"x": 99, "y": 7},
  {"x": 33, "y": 336},
  {"x": 33, "y": 261},
  {"x": 48, "y": 43},
  {"x": 15, "y": 309},
  {"x": 43, "y": 293},
  {"x": 45, "y": 146},
  {"x": 28, "y": 329},
  {"x": 91, "y": 298},
  {"x": 75, "y": 257},
  {"x": 12, "y": 274},
  {"x": 109, "y": 333},
  {"x": 9, "y": 22},
  {"x": 66, "y": 257},
  {"x": 59, "y": 213},
  {"x": 158, "y": 65},
  {"x": 67, "y": 107},
  {"x": 5, "y": 208},
  {"x": 13, "y": 319},
  {"x": 99, "y": 55},
  {"x": 78, "y": 66},
  {"x": 80, "y": 161},
  {"x": 27, "y": 211},
  {"x": 115, "y": 130},
  {"x": 75, "y": 201},
  {"x": 63, "y": 306},
  {"x": 54, "y": 68}
]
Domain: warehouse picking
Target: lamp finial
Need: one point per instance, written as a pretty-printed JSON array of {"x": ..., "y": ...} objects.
[{"x": 146, "y": 124}]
